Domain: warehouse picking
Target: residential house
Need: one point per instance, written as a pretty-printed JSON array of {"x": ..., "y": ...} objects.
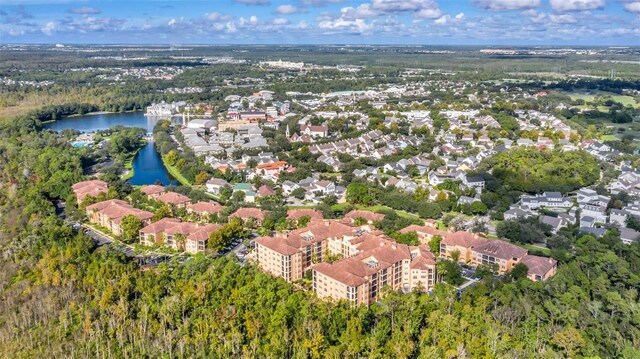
[
  {"x": 91, "y": 188},
  {"x": 109, "y": 214}
]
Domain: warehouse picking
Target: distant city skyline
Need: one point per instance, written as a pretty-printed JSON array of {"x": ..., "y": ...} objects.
[{"x": 384, "y": 22}]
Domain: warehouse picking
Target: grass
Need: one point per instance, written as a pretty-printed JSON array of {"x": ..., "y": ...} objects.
[
  {"x": 128, "y": 165},
  {"x": 376, "y": 208},
  {"x": 173, "y": 170},
  {"x": 590, "y": 97},
  {"x": 609, "y": 138},
  {"x": 536, "y": 250}
]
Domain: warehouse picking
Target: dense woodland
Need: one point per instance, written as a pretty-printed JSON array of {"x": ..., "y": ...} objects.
[{"x": 62, "y": 296}]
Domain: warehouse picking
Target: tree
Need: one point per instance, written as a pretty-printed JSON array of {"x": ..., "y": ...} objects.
[
  {"x": 170, "y": 158},
  {"x": 429, "y": 210},
  {"x": 450, "y": 272},
  {"x": 358, "y": 193},
  {"x": 163, "y": 212},
  {"x": 519, "y": 271},
  {"x": 478, "y": 207},
  {"x": 434, "y": 245},
  {"x": 202, "y": 178},
  {"x": 298, "y": 193},
  {"x": 131, "y": 226},
  {"x": 360, "y": 221}
]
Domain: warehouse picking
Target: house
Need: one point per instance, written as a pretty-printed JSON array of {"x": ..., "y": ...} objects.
[
  {"x": 618, "y": 217},
  {"x": 109, "y": 214},
  {"x": 540, "y": 268},
  {"x": 91, "y": 188},
  {"x": 315, "y": 131},
  {"x": 628, "y": 235},
  {"x": 265, "y": 191},
  {"x": 288, "y": 187},
  {"x": 245, "y": 214},
  {"x": 515, "y": 213},
  {"x": 173, "y": 198},
  {"x": 272, "y": 169},
  {"x": 473, "y": 182},
  {"x": 459, "y": 242},
  {"x": 215, "y": 185},
  {"x": 554, "y": 222},
  {"x": 197, "y": 241},
  {"x": 546, "y": 199}
]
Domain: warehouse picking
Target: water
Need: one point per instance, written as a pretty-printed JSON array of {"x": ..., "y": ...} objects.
[
  {"x": 148, "y": 168},
  {"x": 147, "y": 165},
  {"x": 91, "y": 123}
]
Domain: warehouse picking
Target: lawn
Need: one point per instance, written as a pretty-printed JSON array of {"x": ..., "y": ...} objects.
[
  {"x": 403, "y": 214},
  {"x": 176, "y": 174}
]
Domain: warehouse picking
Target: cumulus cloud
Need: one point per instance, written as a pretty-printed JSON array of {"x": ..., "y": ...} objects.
[
  {"x": 216, "y": 16},
  {"x": 633, "y": 7},
  {"x": 420, "y": 8},
  {"x": 288, "y": 9},
  {"x": 576, "y": 5},
  {"x": 280, "y": 21},
  {"x": 362, "y": 11},
  {"x": 171, "y": 22},
  {"x": 503, "y": 5},
  {"x": 49, "y": 28},
  {"x": 446, "y": 19},
  {"x": 84, "y": 10}
]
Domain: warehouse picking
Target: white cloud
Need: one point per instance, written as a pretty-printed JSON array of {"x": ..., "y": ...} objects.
[
  {"x": 633, "y": 7},
  {"x": 287, "y": 9},
  {"x": 85, "y": 10},
  {"x": 403, "y": 5},
  {"x": 503, "y": 5},
  {"x": 445, "y": 19},
  {"x": 576, "y": 5},
  {"x": 280, "y": 21},
  {"x": 460, "y": 16},
  {"x": 318, "y": 3},
  {"x": 216, "y": 16},
  {"x": 49, "y": 28},
  {"x": 171, "y": 22},
  {"x": 362, "y": 11}
]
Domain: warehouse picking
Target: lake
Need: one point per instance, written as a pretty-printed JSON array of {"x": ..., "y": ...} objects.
[
  {"x": 102, "y": 121},
  {"x": 147, "y": 165}
]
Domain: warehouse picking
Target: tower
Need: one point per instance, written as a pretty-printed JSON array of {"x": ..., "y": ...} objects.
[{"x": 288, "y": 134}]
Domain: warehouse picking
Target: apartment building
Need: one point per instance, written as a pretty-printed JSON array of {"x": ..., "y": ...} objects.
[
  {"x": 91, "y": 188},
  {"x": 362, "y": 279},
  {"x": 290, "y": 254},
  {"x": 109, "y": 214},
  {"x": 181, "y": 236}
]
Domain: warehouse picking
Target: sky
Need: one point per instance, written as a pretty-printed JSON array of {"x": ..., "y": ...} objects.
[{"x": 410, "y": 22}]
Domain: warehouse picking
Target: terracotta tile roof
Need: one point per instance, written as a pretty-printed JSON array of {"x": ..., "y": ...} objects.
[
  {"x": 462, "y": 239},
  {"x": 184, "y": 228},
  {"x": 89, "y": 188},
  {"x": 369, "y": 216},
  {"x": 205, "y": 207},
  {"x": 272, "y": 166},
  {"x": 277, "y": 244},
  {"x": 173, "y": 198},
  {"x": 265, "y": 191},
  {"x": 424, "y": 229},
  {"x": 160, "y": 226},
  {"x": 202, "y": 233},
  {"x": 246, "y": 213},
  {"x": 340, "y": 272},
  {"x": 500, "y": 249},
  {"x": 296, "y": 214},
  {"x": 152, "y": 189},
  {"x": 117, "y": 209},
  {"x": 538, "y": 265}
]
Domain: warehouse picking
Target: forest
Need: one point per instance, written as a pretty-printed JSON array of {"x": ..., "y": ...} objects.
[{"x": 63, "y": 296}]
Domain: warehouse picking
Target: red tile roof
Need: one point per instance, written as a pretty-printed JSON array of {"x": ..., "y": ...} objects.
[
  {"x": 462, "y": 239},
  {"x": 500, "y": 249},
  {"x": 89, "y": 188},
  {"x": 173, "y": 198},
  {"x": 205, "y": 207},
  {"x": 539, "y": 265},
  {"x": 152, "y": 189},
  {"x": 369, "y": 216},
  {"x": 424, "y": 229},
  {"x": 116, "y": 209},
  {"x": 160, "y": 226},
  {"x": 245, "y": 213}
]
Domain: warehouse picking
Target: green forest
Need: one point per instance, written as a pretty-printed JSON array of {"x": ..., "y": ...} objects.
[{"x": 63, "y": 296}]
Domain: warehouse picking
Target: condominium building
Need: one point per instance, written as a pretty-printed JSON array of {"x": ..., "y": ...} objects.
[{"x": 109, "y": 214}]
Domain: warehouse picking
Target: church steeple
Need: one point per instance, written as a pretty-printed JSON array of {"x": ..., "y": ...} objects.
[{"x": 288, "y": 134}]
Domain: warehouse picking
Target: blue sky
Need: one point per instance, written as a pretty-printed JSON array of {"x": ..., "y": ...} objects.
[{"x": 428, "y": 22}]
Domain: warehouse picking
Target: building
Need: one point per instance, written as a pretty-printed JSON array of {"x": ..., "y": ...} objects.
[
  {"x": 370, "y": 217},
  {"x": 173, "y": 198},
  {"x": 459, "y": 242},
  {"x": 181, "y": 236},
  {"x": 362, "y": 279},
  {"x": 204, "y": 209},
  {"x": 540, "y": 268},
  {"x": 215, "y": 185},
  {"x": 153, "y": 191},
  {"x": 246, "y": 214},
  {"x": 91, "y": 188},
  {"x": 109, "y": 214},
  {"x": 424, "y": 233},
  {"x": 498, "y": 253}
]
